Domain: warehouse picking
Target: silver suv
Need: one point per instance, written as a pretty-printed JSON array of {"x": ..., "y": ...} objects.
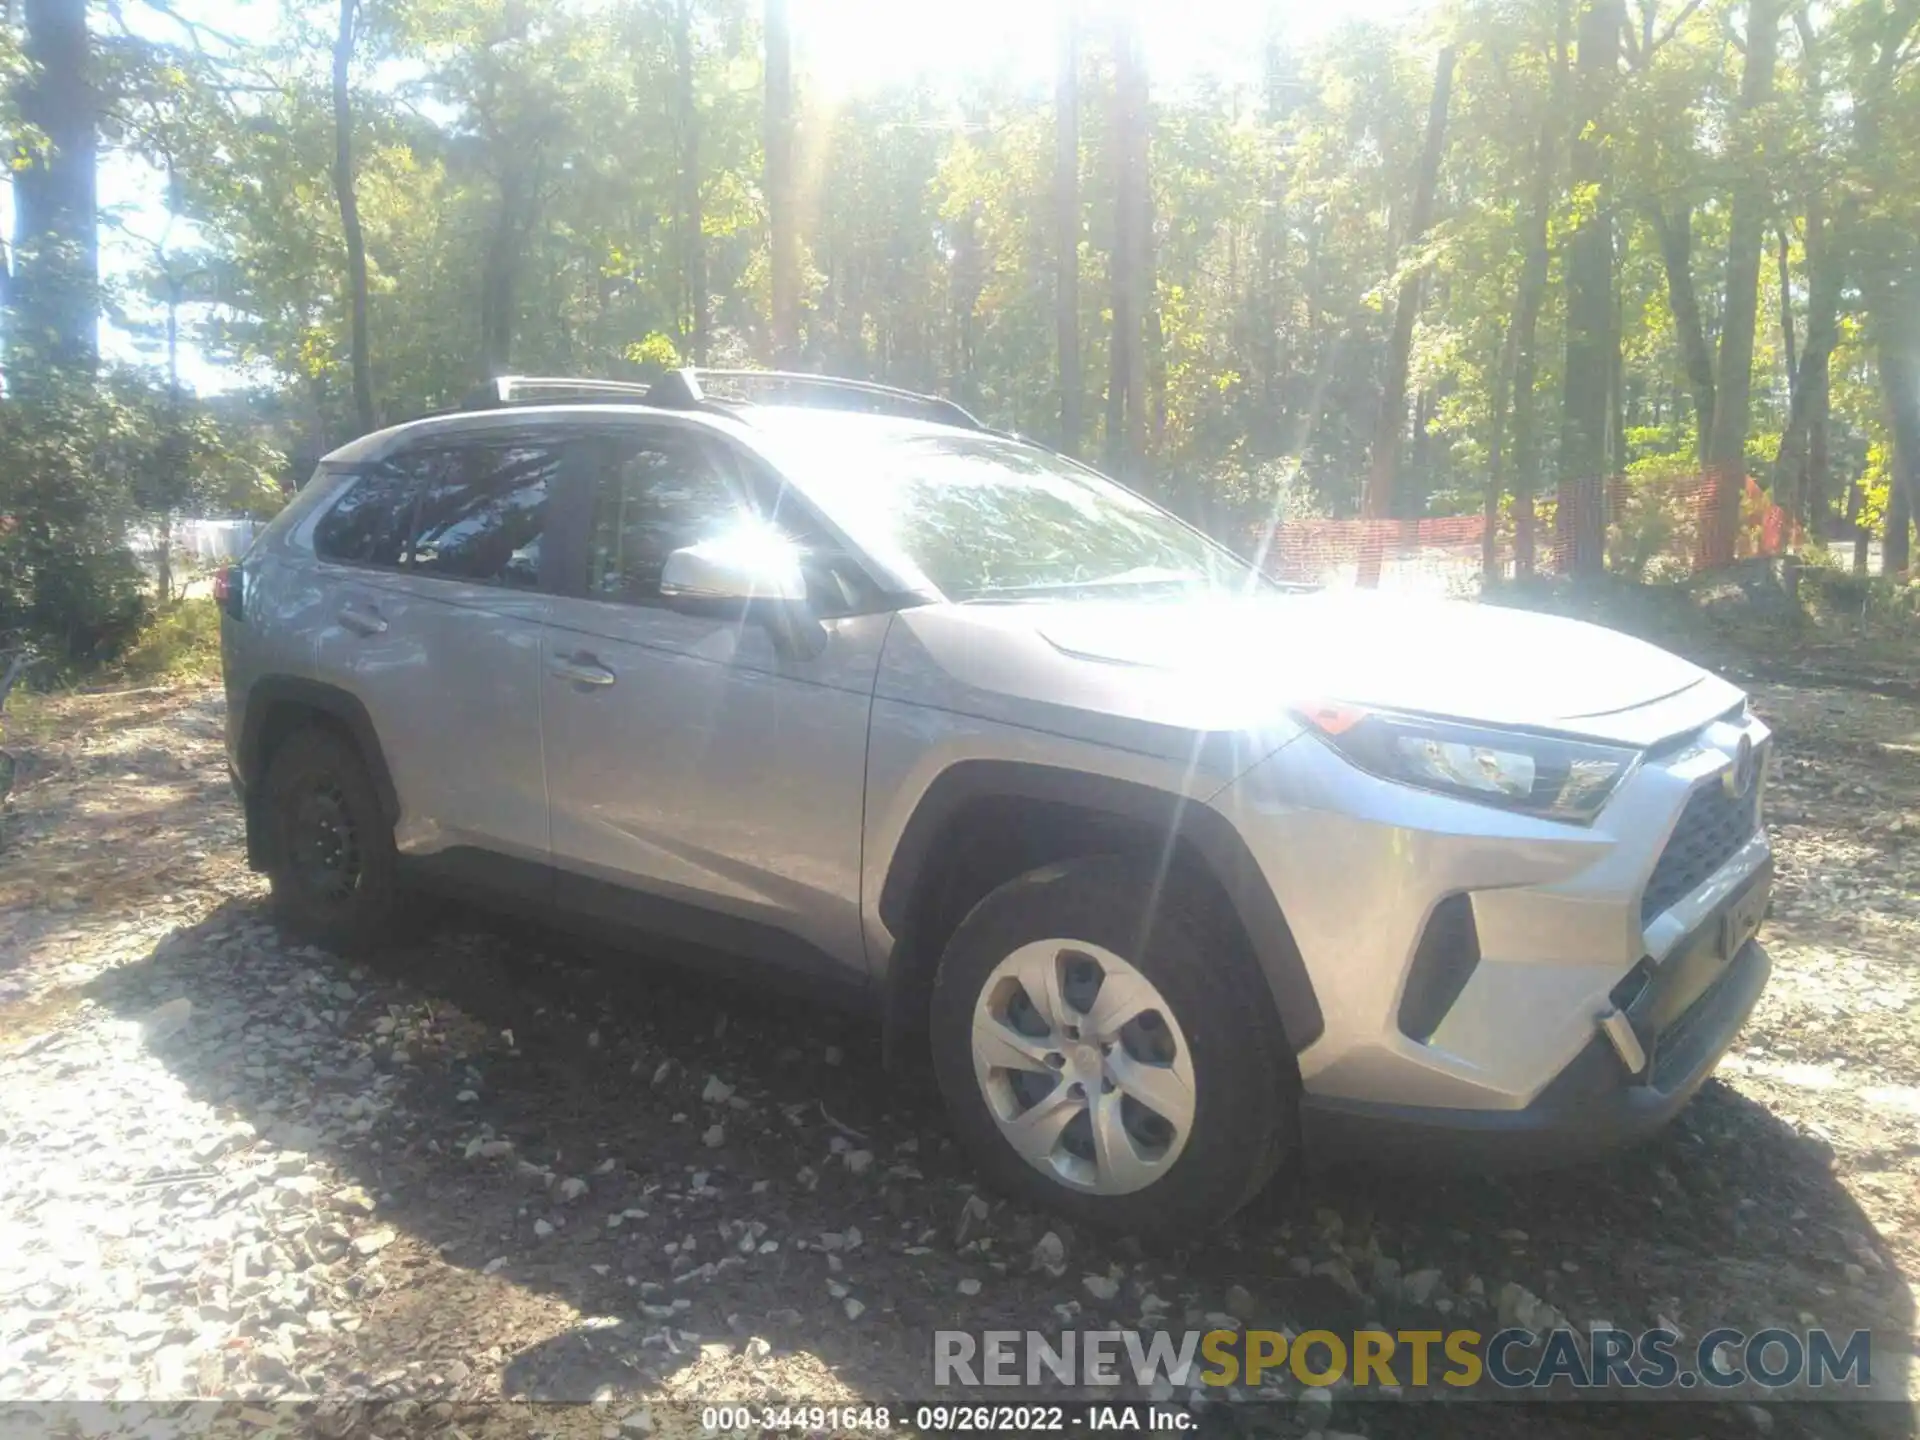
[{"x": 1176, "y": 873}]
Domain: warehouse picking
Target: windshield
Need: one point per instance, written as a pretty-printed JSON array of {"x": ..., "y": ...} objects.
[{"x": 990, "y": 519}]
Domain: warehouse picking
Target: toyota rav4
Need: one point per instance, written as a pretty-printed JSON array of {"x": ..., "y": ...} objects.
[{"x": 1174, "y": 872}]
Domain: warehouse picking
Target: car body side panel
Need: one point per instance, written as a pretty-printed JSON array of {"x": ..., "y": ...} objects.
[
  {"x": 276, "y": 639},
  {"x": 987, "y": 662},
  {"x": 282, "y": 597},
  {"x": 942, "y": 700},
  {"x": 452, "y": 684},
  {"x": 713, "y": 770}
]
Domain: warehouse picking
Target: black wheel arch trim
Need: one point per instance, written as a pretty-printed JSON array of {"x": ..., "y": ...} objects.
[
  {"x": 270, "y": 692},
  {"x": 1211, "y": 835}
]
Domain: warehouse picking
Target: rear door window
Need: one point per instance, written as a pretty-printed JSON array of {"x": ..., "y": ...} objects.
[
  {"x": 368, "y": 525},
  {"x": 474, "y": 512},
  {"x": 483, "y": 513}
]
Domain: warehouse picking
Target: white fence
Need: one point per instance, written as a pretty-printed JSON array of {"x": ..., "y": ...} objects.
[{"x": 202, "y": 542}]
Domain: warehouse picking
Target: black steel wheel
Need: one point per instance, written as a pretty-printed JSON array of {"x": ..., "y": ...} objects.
[{"x": 331, "y": 859}]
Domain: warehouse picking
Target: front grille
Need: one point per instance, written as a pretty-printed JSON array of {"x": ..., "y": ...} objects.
[{"x": 1711, "y": 828}]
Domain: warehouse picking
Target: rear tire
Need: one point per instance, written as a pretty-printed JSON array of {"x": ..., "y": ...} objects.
[
  {"x": 1171, "y": 1099},
  {"x": 330, "y": 854}
]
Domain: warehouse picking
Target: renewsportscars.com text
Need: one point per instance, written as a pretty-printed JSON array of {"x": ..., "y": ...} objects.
[{"x": 1602, "y": 1358}]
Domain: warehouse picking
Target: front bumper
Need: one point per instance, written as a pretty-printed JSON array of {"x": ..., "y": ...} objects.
[
  {"x": 1591, "y": 1107},
  {"x": 1463, "y": 957}
]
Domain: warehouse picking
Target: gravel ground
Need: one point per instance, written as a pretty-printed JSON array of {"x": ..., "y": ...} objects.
[{"x": 493, "y": 1165}]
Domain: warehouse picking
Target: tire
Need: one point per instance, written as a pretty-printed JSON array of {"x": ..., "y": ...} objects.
[
  {"x": 318, "y": 799},
  {"x": 1165, "y": 1180}
]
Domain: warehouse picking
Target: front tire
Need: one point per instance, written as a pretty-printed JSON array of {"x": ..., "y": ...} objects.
[
  {"x": 1123, "y": 1067},
  {"x": 330, "y": 854}
]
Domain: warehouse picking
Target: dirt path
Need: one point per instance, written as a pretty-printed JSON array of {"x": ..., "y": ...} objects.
[{"x": 492, "y": 1166}]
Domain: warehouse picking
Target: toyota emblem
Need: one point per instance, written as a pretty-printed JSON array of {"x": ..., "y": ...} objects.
[{"x": 1740, "y": 775}]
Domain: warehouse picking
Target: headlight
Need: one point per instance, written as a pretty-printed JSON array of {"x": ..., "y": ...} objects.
[{"x": 1536, "y": 774}]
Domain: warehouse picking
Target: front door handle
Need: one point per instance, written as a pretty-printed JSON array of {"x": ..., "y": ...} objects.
[
  {"x": 581, "y": 669},
  {"x": 363, "y": 622}
]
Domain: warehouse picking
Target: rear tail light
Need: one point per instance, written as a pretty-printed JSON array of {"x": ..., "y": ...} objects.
[{"x": 229, "y": 590}]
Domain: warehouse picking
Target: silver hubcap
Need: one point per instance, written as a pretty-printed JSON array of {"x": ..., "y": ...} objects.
[{"x": 1084, "y": 1066}]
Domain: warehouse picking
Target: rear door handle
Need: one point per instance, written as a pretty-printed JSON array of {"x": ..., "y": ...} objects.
[
  {"x": 363, "y": 622},
  {"x": 581, "y": 669}
]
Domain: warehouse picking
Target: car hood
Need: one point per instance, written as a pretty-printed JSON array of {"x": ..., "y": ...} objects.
[{"x": 1446, "y": 658}]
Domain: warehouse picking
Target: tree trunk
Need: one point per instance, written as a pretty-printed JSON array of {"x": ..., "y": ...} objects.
[
  {"x": 1526, "y": 317},
  {"x": 498, "y": 277},
  {"x": 1899, "y": 357},
  {"x": 1155, "y": 351},
  {"x": 1896, "y": 541},
  {"x": 1616, "y": 375},
  {"x": 55, "y": 283},
  {"x": 1816, "y": 503},
  {"x": 1131, "y": 78},
  {"x": 1127, "y": 375},
  {"x": 1267, "y": 317},
  {"x": 1124, "y": 337},
  {"x": 783, "y": 243},
  {"x": 1376, "y": 499},
  {"x": 693, "y": 245},
  {"x": 173, "y": 453},
  {"x": 1066, "y": 225},
  {"x": 1414, "y": 482},
  {"x": 1861, "y": 539},
  {"x": 1803, "y": 482},
  {"x": 968, "y": 277},
  {"x": 1727, "y": 441},
  {"x": 1675, "y": 233},
  {"x": 343, "y": 185},
  {"x": 1490, "y": 512},
  {"x": 1790, "y": 346},
  {"x": 1590, "y": 255},
  {"x": 1798, "y": 471}
]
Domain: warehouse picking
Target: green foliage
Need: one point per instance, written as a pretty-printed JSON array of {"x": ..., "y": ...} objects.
[
  {"x": 1831, "y": 588},
  {"x": 67, "y": 579},
  {"x": 1876, "y": 482},
  {"x": 525, "y": 160},
  {"x": 1657, "y": 520},
  {"x": 179, "y": 642},
  {"x": 657, "y": 352},
  {"x": 82, "y": 464},
  {"x": 535, "y": 156}
]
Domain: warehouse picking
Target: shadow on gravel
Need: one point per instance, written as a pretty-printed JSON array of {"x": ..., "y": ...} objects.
[{"x": 397, "y": 1072}]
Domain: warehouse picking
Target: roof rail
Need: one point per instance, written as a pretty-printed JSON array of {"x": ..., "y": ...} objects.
[
  {"x": 507, "y": 390},
  {"x": 829, "y": 392},
  {"x": 693, "y": 389}
]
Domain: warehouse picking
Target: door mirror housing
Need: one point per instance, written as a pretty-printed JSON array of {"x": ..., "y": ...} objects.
[
  {"x": 733, "y": 572},
  {"x": 750, "y": 574}
]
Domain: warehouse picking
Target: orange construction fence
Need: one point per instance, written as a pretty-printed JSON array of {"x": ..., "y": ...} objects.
[{"x": 1662, "y": 528}]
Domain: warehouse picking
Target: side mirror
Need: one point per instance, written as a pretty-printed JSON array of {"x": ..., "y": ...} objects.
[
  {"x": 726, "y": 574},
  {"x": 752, "y": 576}
]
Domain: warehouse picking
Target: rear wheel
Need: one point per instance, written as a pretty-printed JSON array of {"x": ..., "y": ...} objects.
[
  {"x": 331, "y": 859},
  {"x": 1123, "y": 1067}
]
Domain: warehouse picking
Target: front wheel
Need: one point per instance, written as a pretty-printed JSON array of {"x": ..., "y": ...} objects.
[{"x": 1107, "y": 1047}]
